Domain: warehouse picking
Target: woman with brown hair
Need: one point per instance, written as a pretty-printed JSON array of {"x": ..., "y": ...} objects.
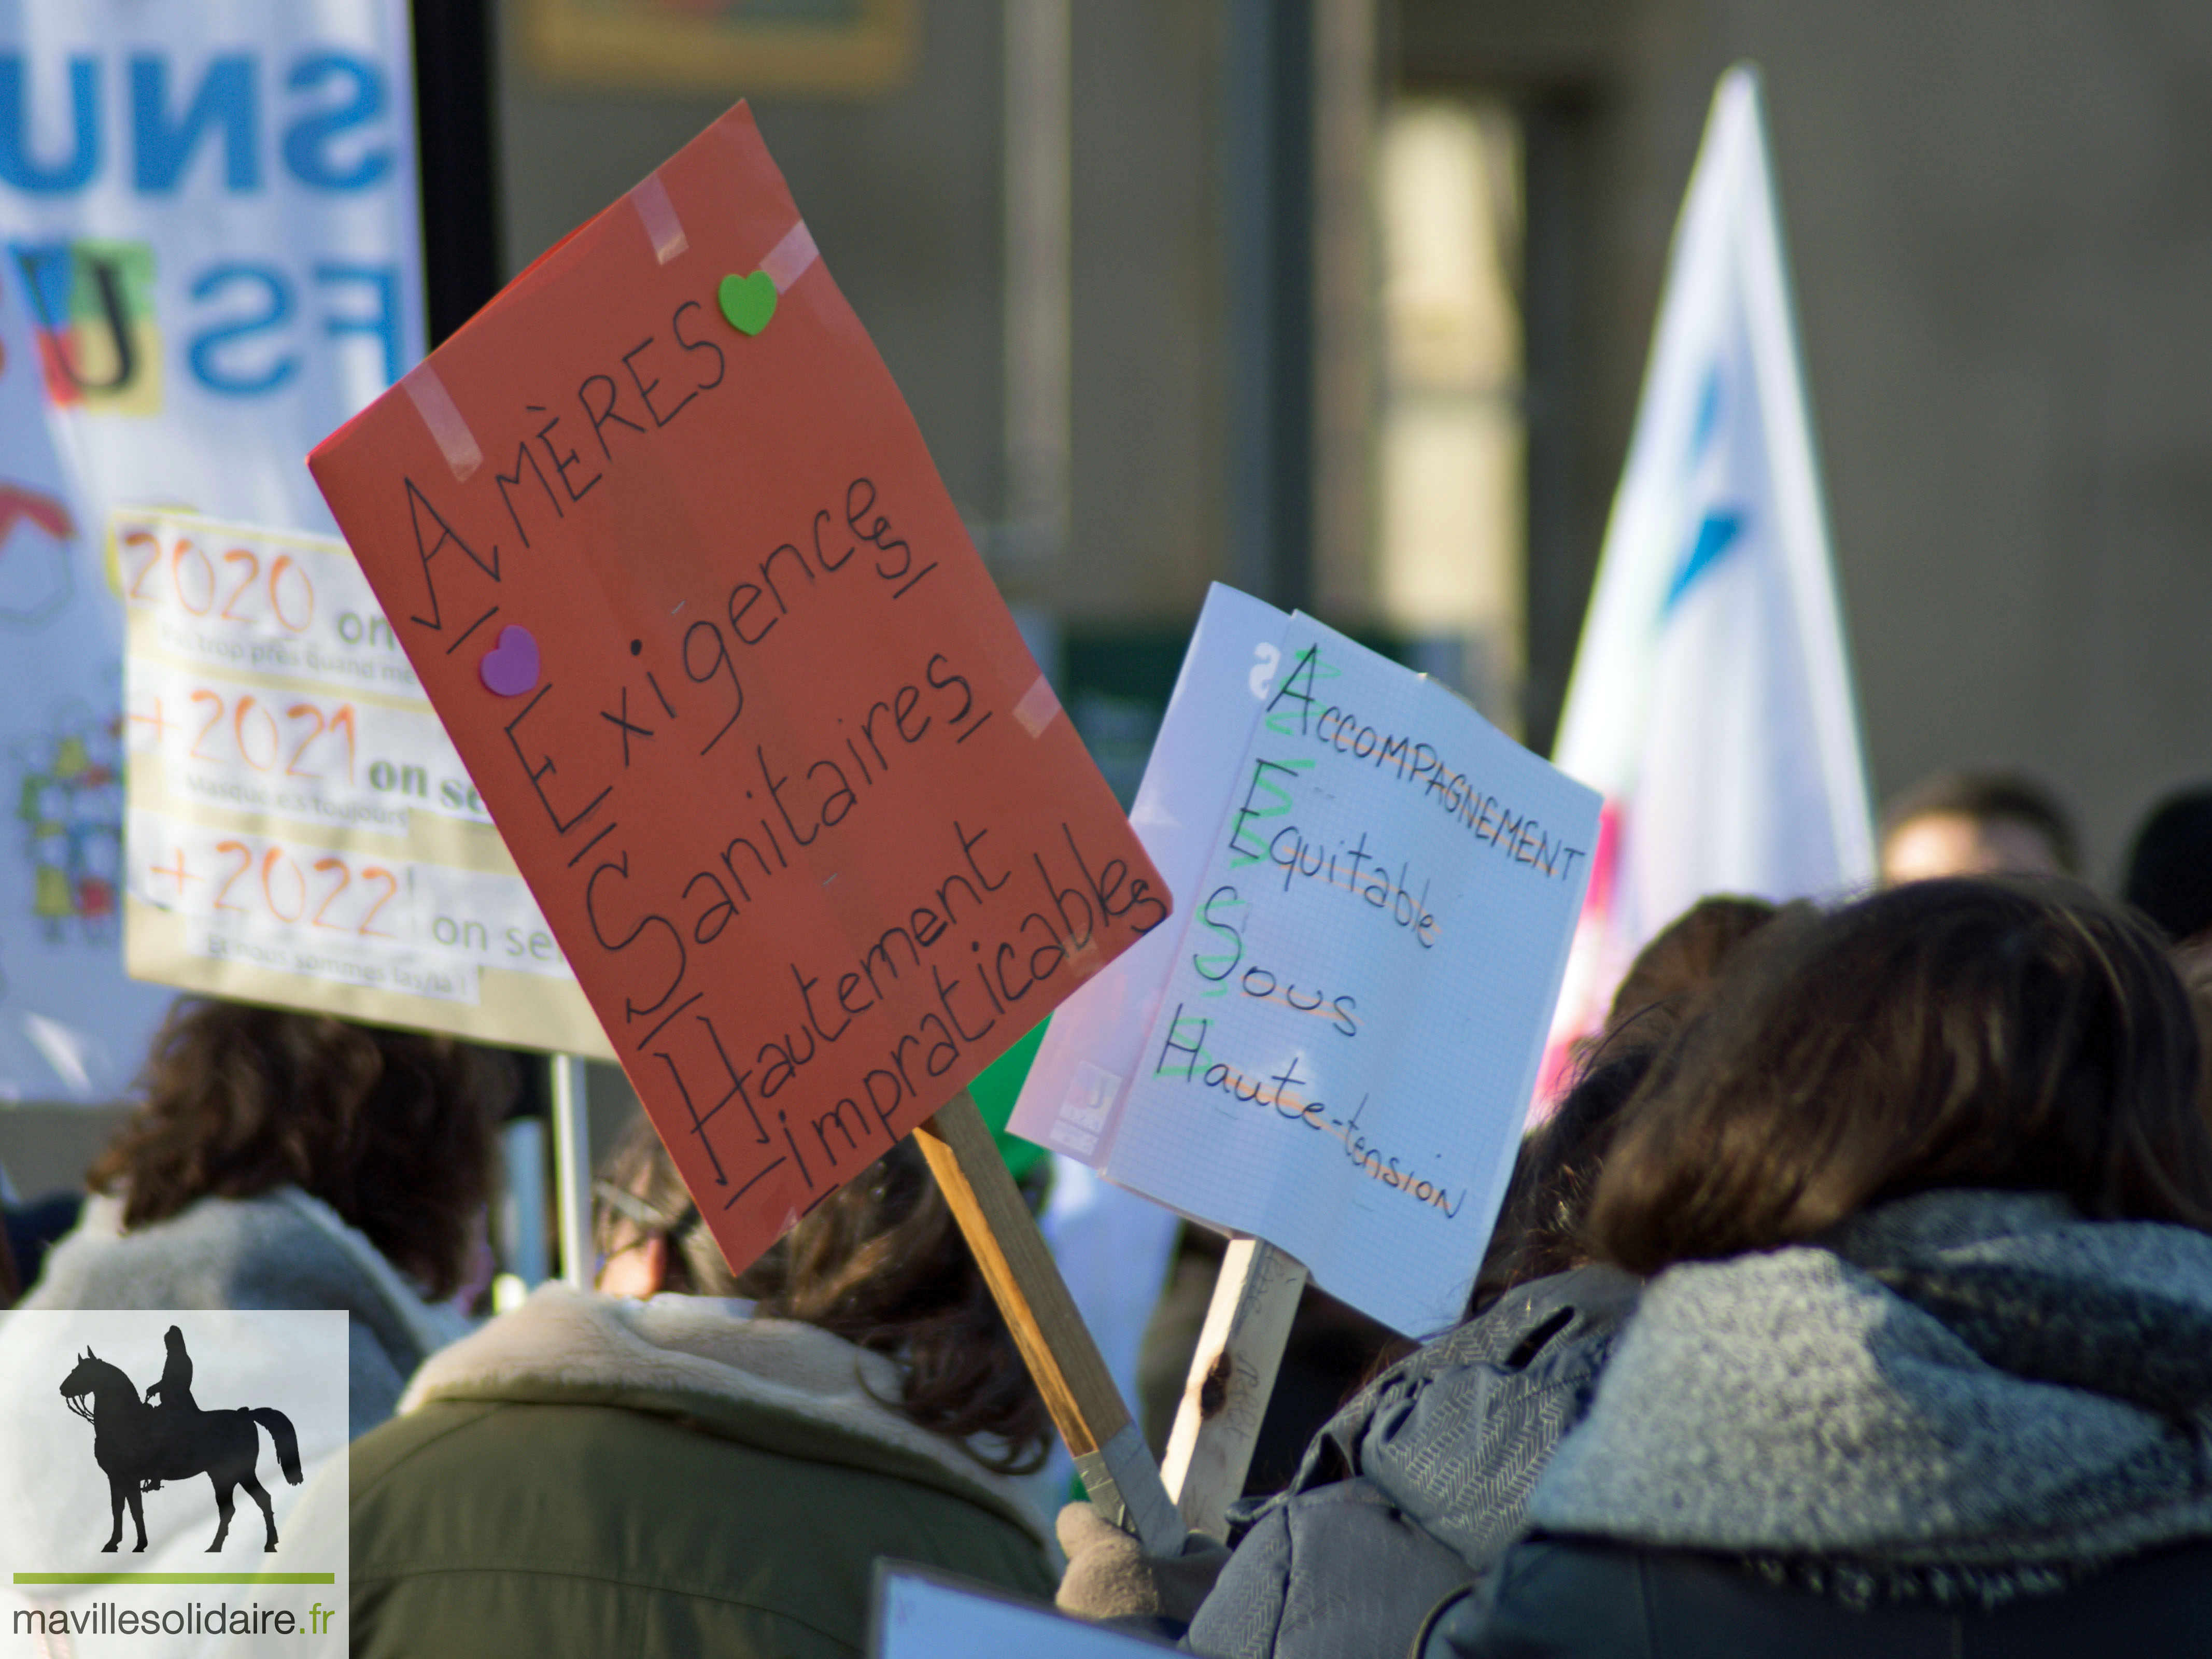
[
  {"x": 1414, "y": 1488},
  {"x": 1925, "y": 1361},
  {"x": 290, "y": 1160},
  {"x": 695, "y": 1460}
]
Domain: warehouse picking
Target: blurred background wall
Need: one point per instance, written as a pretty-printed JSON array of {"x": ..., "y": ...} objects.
[
  {"x": 2001, "y": 223},
  {"x": 1348, "y": 301}
]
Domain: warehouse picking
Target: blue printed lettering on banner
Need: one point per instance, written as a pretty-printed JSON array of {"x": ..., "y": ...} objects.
[
  {"x": 162, "y": 144},
  {"x": 93, "y": 304},
  {"x": 171, "y": 112},
  {"x": 242, "y": 353},
  {"x": 237, "y": 122}
]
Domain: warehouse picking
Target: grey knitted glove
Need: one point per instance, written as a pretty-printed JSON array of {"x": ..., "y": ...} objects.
[{"x": 1110, "y": 1577}]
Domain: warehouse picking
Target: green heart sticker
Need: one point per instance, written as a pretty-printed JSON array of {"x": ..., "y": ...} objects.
[{"x": 748, "y": 302}]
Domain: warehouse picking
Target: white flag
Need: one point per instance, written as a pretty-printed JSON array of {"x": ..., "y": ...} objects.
[{"x": 1711, "y": 700}]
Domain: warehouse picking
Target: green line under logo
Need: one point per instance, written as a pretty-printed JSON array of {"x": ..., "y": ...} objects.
[{"x": 176, "y": 1578}]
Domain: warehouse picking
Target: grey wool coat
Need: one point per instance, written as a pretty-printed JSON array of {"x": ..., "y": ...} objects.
[{"x": 281, "y": 1249}]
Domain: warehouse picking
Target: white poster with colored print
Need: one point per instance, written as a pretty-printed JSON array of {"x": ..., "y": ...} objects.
[
  {"x": 300, "y": 830},
  {"x": 1332, "y": 1044},
  {"x": 210, "y": 258}
]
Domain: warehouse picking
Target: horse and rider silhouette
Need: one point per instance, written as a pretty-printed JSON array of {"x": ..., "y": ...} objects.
[{"x": 139, "y": 1444}]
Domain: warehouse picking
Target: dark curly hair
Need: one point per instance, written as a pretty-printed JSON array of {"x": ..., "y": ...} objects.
[
  {"x": 881, "y": 1262},
  {"x": 393, "y": 1130}
]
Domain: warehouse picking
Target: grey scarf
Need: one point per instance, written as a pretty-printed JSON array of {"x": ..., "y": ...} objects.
[{"x": 1965, "y": 1394}]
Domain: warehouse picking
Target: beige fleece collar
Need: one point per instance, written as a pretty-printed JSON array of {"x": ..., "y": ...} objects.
[{"x": 582, "y": 1339}]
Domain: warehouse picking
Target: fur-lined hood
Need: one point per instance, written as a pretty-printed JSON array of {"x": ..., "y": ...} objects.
[{"x": 688, "y": 1357}]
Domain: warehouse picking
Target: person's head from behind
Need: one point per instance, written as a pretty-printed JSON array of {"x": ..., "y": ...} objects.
[
  {"x": 1674, "y": 973},
  {"x": 394, "y": 1130},
  {"x": 881, "y": 1262},
  {"x": 1540, "y": 1228},
  {"x": 2169, "y": 874},
  {"x": 1981, "y": 822},
  {"x": 2016, "y": 1034},
  {"x": 1540, "y": 1224}
]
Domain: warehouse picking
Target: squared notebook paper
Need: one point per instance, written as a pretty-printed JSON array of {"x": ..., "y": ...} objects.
[
  {"x": 1333, "y": 1046},
  {"x": 667, "y": 552}
]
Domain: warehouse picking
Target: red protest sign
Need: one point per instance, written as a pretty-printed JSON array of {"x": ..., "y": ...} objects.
[{"x": 665, "y": 547}]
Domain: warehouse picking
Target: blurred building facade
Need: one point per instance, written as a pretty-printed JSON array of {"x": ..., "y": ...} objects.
[{"x": 1346, "y": 301}]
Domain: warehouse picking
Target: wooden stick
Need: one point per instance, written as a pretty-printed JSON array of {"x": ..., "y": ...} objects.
[
  {"x": 572, "y": 1170},
  {"x": 1110, "y": 1455},
  {"x": 1239, "y": 1351}
]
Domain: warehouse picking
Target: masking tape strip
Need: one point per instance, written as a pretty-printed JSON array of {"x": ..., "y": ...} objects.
[
  {"x": 1088, "y": 1111},
  {"x": 1144, "y": 1508},
  {"x": 658, "y": 215},
  {"x": 788, "y": 261},
  {"x": 1038, "y": 706},
  {"x": 436, "y": 406}
]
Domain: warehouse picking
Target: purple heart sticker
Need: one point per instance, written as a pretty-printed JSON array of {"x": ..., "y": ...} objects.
[{"x": 510, "y": 668}]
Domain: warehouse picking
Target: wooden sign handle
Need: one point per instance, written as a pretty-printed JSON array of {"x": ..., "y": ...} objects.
[
  {"x": 1110, "y": 1455},
  {"x": 1240, "y": 1349}
]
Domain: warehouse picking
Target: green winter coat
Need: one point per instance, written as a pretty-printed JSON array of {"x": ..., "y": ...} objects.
[{"x": 589, "y": 1476}]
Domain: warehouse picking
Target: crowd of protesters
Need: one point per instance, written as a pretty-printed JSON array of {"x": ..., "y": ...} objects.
[{"x": 1857, "y": 1298}]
